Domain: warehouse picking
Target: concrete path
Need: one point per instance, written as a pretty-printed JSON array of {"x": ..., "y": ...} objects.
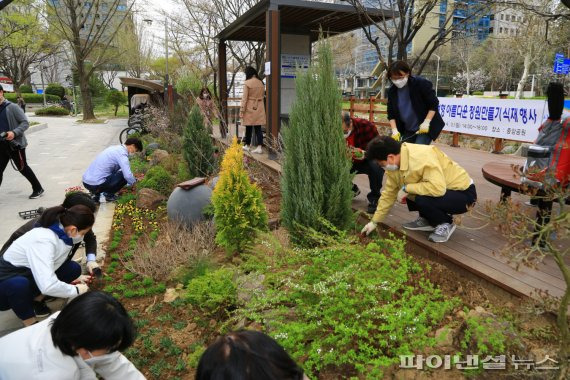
[{"x": 58, "y": 155}]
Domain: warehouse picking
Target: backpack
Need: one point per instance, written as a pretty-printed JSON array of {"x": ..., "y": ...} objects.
[{"x": 548, "y": 159}]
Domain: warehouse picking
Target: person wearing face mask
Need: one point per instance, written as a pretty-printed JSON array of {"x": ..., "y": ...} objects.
[
  {"x": 358, "y": 133},
  {"x": 427, "y": 180},
  {"x": 206, "y": 105},
  {"x": 70, "y": 200},
  {"x": 36, "y": 264},
  {"x": 111, "y": 170},
  {"x": 13, "y": 123},
  {"x": 81, "y": 342},
  {"x": 412, "y": 106}
]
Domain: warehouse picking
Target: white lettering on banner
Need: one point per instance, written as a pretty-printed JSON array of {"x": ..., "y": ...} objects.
[
  {"x": 290, "y": 63},
  {"x": 508, "y": 119}
]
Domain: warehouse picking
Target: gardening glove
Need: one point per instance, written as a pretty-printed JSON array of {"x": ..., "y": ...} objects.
[
  {"x": 82, "y": 288},
  {"x": 402, "y": 195},
  {"x": 424, "y": 127},
  {"x": 91, "y": 265},
  {"x": 396, "y": 135},
  {"x": 369, "y": 228}
]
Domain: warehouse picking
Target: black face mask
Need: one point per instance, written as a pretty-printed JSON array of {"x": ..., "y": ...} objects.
[{"x": 555, "y": 95}]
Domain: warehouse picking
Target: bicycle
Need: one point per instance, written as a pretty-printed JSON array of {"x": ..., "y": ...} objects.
[{"x": 136, "y": 125}]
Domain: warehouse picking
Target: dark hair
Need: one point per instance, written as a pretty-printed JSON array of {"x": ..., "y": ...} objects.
[
  {"x": 1, "y": 88},
  {"x": 136, "y": 142},
  {"x": 397, "y": 66},
  {"x": 247, "y": 355},
  {"x": 93, "y": 321},
  {"x": 203, "y": 90},
  {"x": 250, "y": 72},
  {"x": 346, "y": 119},
  {"x": 79, "y": 216},
  {"x": 381, "y": 146},
  {"x": 79, "y": 198},
  {"x": 555, "y": 95}
]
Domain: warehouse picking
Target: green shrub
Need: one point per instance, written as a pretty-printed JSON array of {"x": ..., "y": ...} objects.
[
  {"x": 25, "y": 89},
  {"x": 55, "y": 89},
  {"x": 213, "y": 292},
  {"x": 198, "y": 148},
  {"x": 239, "y": 210},
  {"x": 32, "y": 98},
  {"x": 316, "y": 180},
  {"x": 157, "y": 178},
  {"x": 347, "y": 306},
  {"x": 477, "y": 93},
  {"x": 116, "y": 99},
  {"x": 52, "y": 111}
]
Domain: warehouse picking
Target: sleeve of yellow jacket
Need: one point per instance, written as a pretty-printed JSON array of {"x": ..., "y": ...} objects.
[{"x": 389, "y": 195}]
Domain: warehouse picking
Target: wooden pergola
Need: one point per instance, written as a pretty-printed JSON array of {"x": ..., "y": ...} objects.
[{"x": 266, "y": 21}]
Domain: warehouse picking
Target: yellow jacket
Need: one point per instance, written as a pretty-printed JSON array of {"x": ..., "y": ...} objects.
[{"x": 425, "y": 170}]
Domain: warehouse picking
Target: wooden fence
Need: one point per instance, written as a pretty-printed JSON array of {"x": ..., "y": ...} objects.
[{"x": 369, "y": 106}]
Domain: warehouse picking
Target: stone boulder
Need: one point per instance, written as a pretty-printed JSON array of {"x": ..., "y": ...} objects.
[
  {"x": 158, "y": 156},
  {"x": 149, "y": 198}
]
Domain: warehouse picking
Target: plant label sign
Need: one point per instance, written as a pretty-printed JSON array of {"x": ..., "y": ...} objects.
[
  {"x": 508, "y": 119},
  {"x": 291, "y": 62}
]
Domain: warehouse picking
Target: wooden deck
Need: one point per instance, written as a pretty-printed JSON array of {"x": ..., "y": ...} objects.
[{"x": 474, "y": 249}]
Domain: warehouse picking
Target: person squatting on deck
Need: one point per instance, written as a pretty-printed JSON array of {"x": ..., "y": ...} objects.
[{"x": 427, "y": 180}]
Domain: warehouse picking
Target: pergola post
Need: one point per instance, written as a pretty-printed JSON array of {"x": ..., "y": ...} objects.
[
  {"x": 273, "y": 81},
  {"x": 223, "y": 86}
]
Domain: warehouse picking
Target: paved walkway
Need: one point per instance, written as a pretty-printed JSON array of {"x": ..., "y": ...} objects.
[{"x": 58, "y": 155}]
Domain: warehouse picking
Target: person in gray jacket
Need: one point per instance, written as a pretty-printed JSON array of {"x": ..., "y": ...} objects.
[{"x": 13, "y": 124}]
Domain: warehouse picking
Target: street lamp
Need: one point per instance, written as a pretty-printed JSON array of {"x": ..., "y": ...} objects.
[
  {"x": 437, "y": 73},
  {"x": 166, "y": 77}
]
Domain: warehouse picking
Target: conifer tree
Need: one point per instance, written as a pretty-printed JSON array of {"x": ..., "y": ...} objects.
[
  {"x": 316, "y": 179},
  {"x": 239, "y": 210},
  {"x": 198, "y": 148}
]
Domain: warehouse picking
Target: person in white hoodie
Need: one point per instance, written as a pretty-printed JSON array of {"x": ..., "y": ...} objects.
[
  {"x": 80, "y": 342},
  {"x": 36, "y": 265}
]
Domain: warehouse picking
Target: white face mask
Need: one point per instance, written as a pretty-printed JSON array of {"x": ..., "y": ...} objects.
[
  {"x": 400, "y": 82},
  {"x": 391, "y": 167},
  {"x": 347, "y": 133},
  {"x": 77, "y": 239},
  {"x": 107, "y": 358}
]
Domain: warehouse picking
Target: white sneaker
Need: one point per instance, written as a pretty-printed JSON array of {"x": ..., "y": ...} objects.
[
  {"x": 257, "y": 150},
  {"x": 246, "y": 148}
]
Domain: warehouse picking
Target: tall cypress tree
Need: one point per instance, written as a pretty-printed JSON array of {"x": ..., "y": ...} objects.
[
  {"x": 316, "y": 179},
  {"x": 198, "y": 149}
]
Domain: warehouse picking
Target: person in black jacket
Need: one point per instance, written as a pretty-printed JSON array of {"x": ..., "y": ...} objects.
[
  {"x": 90, "y": 239},
  {"x": 412, "y": 106}
]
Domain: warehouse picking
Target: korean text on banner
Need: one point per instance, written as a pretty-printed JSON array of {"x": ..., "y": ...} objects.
[{"x": 508, "y": 119}]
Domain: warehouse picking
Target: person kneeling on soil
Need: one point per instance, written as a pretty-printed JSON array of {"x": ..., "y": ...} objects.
[
  {"x": 427, "y": 180},
  {"x": 111, "y": 170},
  {"x": 90, "y": 240},
  {"x": 36, "y": 264},
  {"x": 80, "y": 342},
  {"x": 247, "y": 355}
]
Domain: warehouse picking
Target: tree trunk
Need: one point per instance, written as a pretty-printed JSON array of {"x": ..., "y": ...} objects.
[
  {"x": 116, "y": 109},
  {"x": 88, "y": 113},
  {"x": 520, "y": 87}
]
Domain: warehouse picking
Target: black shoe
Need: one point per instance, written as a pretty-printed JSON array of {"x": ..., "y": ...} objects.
[
  {"x": 110, "y": 197},
  {"x": 95, "y": 198},
  {"x": 355, "y": 191},
  {"x": 37, "y": 194},
  {"x": 372, "y": 208},
  {"x": 41, "y": 310}
]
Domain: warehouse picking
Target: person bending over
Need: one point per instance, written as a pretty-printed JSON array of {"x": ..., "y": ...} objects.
[
  {"x": 82, "y": 341},
  {"x": 427, "y": 180},
  {"x": 111, "y": 170}
]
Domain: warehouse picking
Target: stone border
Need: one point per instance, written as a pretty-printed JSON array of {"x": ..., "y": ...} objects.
[{"x": 36, "y": 128}]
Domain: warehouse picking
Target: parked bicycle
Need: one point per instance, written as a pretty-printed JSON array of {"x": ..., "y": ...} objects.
[{"x": 136, "y": 126}]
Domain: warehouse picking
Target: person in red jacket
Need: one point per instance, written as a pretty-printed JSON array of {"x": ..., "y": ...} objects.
[{"x": 358, "y": 133}]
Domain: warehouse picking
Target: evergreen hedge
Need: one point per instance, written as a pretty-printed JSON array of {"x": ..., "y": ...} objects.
[
  {"x": 25, "y": 89},
  {"x": 55, "y": 89},
  {"x": 52, "y": 111},
  {"x": 316, "y": 180},
  {"x": 198, "y": 149},
  {"x": 32, "y": 98}
]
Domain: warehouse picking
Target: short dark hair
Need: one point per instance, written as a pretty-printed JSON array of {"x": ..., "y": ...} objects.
[
  {"x": 79, "y": 216},
  {"x": 346, "y": 119},
  {"x": 136, "y": 142},
  {"x": 381, "y": 146},
  {"x": 397, "y": 66},
  {"x": 1, "y": 88},
  {"x": 250, "y": 72},
  {"x": 93, "y": 321},
  {"x": 79, "y": 198},
  {"x": 247, "y": 355}
]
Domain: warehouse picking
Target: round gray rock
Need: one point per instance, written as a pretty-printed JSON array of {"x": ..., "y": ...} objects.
[{"x": 187, "y": 206}]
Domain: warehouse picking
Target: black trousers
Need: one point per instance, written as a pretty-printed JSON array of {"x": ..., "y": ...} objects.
[
  {"x": 258, "y": 134},
  {"x": 439, "y": 210},
  {"x": 18, "y": 156},
  {"x": 375, "y": 174}
]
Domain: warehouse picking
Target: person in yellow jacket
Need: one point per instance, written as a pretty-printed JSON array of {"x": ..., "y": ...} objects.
[{"x": 427, "y": 180}]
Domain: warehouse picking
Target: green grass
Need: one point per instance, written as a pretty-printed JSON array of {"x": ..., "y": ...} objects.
[{"x": 108, "y": 111}]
